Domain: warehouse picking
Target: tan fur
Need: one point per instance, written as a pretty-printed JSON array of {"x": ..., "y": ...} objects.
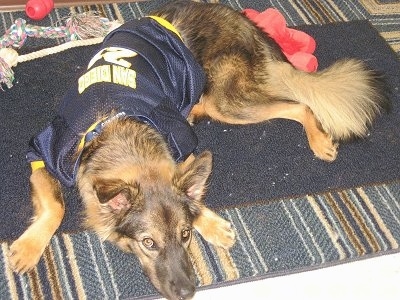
[
  {"x": 48, "y": 206},
  {"x": 341, "y": 97},
  {"x": 250, "y": 81},
  {"x": 213, "y": 229},
  {"x": 143, "y": 165},
  {"x": 127, "y": 166}
]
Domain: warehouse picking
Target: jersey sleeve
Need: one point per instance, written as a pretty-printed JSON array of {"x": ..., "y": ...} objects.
[{"x": 54, "y": 148}]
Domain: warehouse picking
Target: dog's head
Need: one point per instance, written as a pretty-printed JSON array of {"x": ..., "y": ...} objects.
[{"x": 151, "y": 216}]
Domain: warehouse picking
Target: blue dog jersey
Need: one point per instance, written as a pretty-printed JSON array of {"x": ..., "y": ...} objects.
[{"x": 142, "y": 70}]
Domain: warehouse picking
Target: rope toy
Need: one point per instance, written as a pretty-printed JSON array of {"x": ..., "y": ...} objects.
[{"x": 86, "y": 26}]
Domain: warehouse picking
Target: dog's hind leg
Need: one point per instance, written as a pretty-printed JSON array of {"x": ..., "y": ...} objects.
[
  {"x": 320, "y": 142},
  {"x": 48, "y": 206},
  {"x": 239, "y": 92}
]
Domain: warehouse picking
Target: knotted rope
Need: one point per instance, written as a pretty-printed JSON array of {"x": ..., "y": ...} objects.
[{"x": 80, "y": 30}]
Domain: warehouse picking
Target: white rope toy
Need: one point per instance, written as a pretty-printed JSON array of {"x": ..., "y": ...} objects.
[{"x": 81, "y": 30}]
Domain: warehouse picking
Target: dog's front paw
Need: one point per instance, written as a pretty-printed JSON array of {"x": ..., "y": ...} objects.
[
  {"x": 223, "y": 235},
  {"x": 24, "y": 253},
  {"x": 215, "y": 229}
]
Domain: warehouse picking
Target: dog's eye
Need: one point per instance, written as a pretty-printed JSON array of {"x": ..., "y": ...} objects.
[
  {"x": 149, "y": 243},
  {"x": 186, "y": 234}
]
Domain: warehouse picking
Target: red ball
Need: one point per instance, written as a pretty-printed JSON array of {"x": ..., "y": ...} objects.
[{"x": 38, "y": 9}]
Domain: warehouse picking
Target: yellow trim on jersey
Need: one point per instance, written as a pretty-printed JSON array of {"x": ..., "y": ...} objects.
[
  {"x": 166, "y": 24},
  {"x": 37, "y": 164}
]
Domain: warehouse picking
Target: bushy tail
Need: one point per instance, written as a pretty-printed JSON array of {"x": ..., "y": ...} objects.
[{"x": 345, "y": 98}]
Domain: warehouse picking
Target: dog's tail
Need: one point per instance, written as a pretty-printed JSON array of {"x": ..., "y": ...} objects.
[{"x": 345, "y": 98}]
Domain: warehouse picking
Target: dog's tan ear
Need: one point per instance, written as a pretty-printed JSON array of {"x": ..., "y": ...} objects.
[
  {"x": 192, "y": 180},
  {"x": 118, "y": 194}
]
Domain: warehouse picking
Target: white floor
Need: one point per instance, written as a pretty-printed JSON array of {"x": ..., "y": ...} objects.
[{"x": 375, "y": 278}]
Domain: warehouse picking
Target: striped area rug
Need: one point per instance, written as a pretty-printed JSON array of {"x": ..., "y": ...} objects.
[
  {"x": 289, "y": 235},
  {"x": 282, "y": 236}
]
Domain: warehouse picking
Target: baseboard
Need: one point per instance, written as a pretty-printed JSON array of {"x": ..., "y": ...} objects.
[{"x": 14, "y": 5}]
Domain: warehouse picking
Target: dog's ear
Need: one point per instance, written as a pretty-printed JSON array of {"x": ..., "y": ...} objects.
[
  {"x": 192, "y": 180},
  {"x": 117, "y": 194}
]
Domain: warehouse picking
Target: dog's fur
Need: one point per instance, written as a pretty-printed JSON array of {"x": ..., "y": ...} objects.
[
  {"x": 137, "y": 196},
  {"x": 250, "y": 81}
]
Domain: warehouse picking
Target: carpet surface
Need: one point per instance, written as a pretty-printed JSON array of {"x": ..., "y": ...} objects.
[{"x": 291, "y": 211}]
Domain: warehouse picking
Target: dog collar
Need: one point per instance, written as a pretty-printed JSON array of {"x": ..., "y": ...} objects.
[
  {"x": 96, "y": 128},
  {"x": 93, "y": 131}
]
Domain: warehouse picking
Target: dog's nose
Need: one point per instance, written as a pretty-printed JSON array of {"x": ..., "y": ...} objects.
[{"x": 185, "y": 293}]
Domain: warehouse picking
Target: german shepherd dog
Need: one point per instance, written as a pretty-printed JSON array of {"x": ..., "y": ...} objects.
[{"x": 135, "y": 193}]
